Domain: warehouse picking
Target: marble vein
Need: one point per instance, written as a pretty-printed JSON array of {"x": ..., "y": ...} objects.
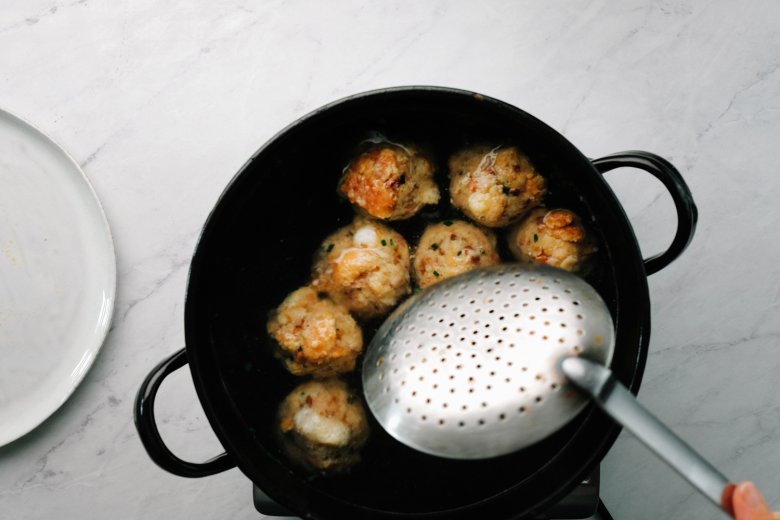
[
  {"x": 156, "y": 286},
  {"x": 40, "y": 15},
  {"x": 759, "y": 78}
]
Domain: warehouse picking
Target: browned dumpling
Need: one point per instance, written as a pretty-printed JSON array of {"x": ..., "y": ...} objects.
[
  {"x": 450, "y": 248},
  {"x": 363, "y": 266},
  {"x": 314, "y": 335},
  {"x": 322, "y": 425},
  {"x": 494, "y": 186},
  {"x": 390, "y": 182},
  {"x": 552, "y": 237}
]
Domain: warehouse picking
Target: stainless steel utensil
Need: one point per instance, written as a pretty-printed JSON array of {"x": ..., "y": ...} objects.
[
  {"x": 622, "y": 406},
  {"x": 477, "y": 366}
]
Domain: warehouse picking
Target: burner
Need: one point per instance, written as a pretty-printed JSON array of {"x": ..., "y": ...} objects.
[{"x": 582, "y": 503}]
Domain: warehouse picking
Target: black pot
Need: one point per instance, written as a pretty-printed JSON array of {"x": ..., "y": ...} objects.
[{"x": 257, "y": 246}]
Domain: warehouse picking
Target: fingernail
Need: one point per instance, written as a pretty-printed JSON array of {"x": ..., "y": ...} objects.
[{"x": 753, "y": 496}]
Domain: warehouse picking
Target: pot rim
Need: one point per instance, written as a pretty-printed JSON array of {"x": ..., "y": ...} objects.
[{"x": 215, "y": 411}]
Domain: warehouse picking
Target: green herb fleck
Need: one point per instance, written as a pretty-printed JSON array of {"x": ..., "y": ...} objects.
[
  {"x": 384, "y": 242},
  {"x": 416, "y": 289},
  {"x": 447, "y": 222},
  {"x": 434, "y": 246},
  {"x": 302, "y": 394},
  {"x": 392, "y": 243},
  {"x": 460, "y": 253},
  {"x": 436, "y": 274},
  {"x": 482, "y": 250},
  {"x": 505, "y": 190},
  {"x": 329, "y": 248},
  {"x": 300, "y": 348},
  {"x": 351, "y": 399},
  {"x": 536, "y": 237}
]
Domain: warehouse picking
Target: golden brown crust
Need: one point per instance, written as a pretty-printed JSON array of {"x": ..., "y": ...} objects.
[
  {"x": 389, "y": 182},
  {"x": 552, "y": 237},
  {"x": 450, "y": 248},
  {"x": 363, "y": 266},
  {"x": 494, "y": 186},
  {"x": 314, "y": 335}
]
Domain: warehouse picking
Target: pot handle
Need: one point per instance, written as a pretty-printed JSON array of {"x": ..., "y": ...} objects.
[
  {"x": 147, "y": 426},
  {"x": 665, "y": 172}
]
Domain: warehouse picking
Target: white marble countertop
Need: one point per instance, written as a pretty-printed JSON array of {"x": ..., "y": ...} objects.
[{"x": 161, "y": 103}]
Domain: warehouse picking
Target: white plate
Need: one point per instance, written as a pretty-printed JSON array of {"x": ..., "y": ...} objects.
[{"x": 57, "y": 277}]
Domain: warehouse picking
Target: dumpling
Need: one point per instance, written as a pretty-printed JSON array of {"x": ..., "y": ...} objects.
[
  {"x": 390, "y": 182},
  {"x": 494, "y": 186}
]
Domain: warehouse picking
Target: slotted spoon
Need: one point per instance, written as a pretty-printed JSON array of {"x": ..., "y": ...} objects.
[{"x": 482, "y": 364}]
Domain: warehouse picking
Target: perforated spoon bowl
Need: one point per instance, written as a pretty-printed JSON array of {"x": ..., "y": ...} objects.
[
  {"x": 492, "y": 361},
  {"x": 475, "y": 357}
]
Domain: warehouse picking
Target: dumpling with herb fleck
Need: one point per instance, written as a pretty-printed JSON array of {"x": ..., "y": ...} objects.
[
  {"x": 494, "y": 186},
  {"x": 554, "y": 237},
  {"x": 363, "y": 266},
  {"x": 390, "y": 182},
  {"x": 322, "y": 425},
  {"x": 450, "y": 248},
  {"x": 314, "y": 335}
]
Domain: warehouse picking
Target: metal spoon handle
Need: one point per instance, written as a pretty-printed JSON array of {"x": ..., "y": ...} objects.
[{"x": 618, "y": 402}]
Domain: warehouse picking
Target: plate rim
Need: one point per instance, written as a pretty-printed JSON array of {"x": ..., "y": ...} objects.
[{"x": 95, "y": 346}]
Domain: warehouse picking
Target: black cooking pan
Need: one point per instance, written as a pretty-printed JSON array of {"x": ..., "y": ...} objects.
[{"x": 257, "y": 246}]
